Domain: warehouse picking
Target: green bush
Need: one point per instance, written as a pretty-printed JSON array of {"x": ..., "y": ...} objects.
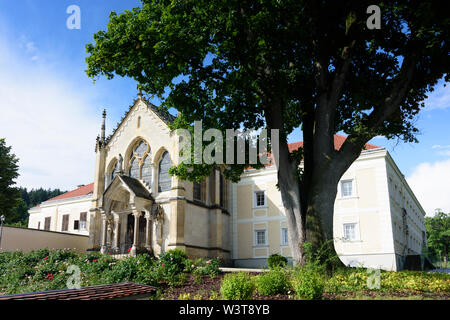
[
  {"x": 308, "y": 284},
  {"x": 237, "y": 286},
  {"x": 206, "y": 267},
  {"x": 276, "y": 261},
  {"x": 174, "y": 261},
  {"x": 273, "y": 282}
]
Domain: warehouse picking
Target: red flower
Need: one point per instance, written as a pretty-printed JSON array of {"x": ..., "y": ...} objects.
[
  {"x": 129, "y": 249},
  {"x": 162, "y": 265},
  {"x": 50, "y": 277},
  {"x": 95, "y": 260},
  {"x": 46, "y": 258}
]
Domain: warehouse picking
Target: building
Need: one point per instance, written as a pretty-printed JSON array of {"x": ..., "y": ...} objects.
[{"x": 378, "y": 220}]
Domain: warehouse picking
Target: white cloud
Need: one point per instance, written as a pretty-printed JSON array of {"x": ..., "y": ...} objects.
[
  {"x": 47, "y": 120},
  {"x": 430, "y": 183},
  {"x": 439, "y": 98}
]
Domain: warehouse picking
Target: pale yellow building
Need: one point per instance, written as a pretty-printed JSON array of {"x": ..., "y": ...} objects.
[{"x": 378, "y": 221}]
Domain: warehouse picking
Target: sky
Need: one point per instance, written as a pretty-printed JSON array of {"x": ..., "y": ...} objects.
[{"x": 50, "y": 111}]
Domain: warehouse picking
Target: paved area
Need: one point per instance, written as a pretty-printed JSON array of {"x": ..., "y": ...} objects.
[{"x": 242, "y": 269}]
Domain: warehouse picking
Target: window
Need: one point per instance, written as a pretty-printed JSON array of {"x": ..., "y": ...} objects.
[
  {"x": 39, "y": 225},
  {"x": 65, "y": 223},
  {"x": 284, "y": 237},
  {"x": 164, "y": 179},
  {"x": 350, "y": 231},
  {"x": 222, "y": 190},
  {"x": 83, "y": 221},
  {"x": 260, "y": 237},
  {"x": 76, "y": 225},
  {"x": 134, "y": 169},
  {"x": 347, "y": 188},
  {"x": 147, "y": 171},
  {"x": 47, "y": 223},
  {"x": 140, "y": 165},
  {"x": 197, "y": 191},
  {"x": 260, "y": 199}
]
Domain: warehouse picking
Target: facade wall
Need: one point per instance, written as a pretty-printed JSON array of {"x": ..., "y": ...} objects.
[
  {"x": 368, "y": 210},
  {"x": 408, "y": 229},
  {"x": 21, "y": 239},
  {"x": 56, "y": 209}
]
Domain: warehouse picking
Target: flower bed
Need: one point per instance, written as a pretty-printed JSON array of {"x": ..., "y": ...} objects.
[{"x": 179, "y": 277}]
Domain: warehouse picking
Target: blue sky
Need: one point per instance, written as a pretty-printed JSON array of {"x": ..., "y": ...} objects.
[{"x": 50, "y": 111}]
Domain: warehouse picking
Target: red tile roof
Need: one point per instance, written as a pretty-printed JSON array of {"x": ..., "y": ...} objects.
[
  {"x": 80, "y": 191},
  {"x": 102, "y": 292},
  {"x": 338, "y": 142}
]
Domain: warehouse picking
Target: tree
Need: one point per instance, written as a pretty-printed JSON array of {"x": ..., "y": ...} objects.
[
  {"x": 9, "y": 195},
  {"x": 283, "y": 65},
  {"x": 438, "y": 234}
]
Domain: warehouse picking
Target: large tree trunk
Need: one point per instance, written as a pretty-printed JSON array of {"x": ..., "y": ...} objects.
[{"x": 290, "y": 195}]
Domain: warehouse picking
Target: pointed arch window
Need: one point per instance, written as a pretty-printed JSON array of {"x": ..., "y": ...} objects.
[
  {"x": 147, "y": 171},
  {"x": 140, "y": 162},
  {"x": 164, "y": 179},
  {"x": 134, "y": 168}
]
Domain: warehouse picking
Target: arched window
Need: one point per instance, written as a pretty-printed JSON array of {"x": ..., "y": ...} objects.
[
  {"x": 134, "y": 168},
  {"x": 140, "y": 168},
  {"x": 147, "y": 171},
  {"x": 164, "y": 179}
]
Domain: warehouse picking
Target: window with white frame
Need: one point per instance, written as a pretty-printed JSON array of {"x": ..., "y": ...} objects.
[
  {"x": 260, "y": 199},
  {"x": 260, "y": 237},
  {"x": 346, "y": 188},
  {"x": 83, "y": 221},
  {"x": 284, "y": 237},
  {"x": 350, "y": 231}
]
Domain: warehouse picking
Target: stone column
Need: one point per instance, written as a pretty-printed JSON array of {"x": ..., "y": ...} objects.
[
  {"x": 104, "y": 233},
  {"x": 116, "y": 233},
  {"x": 136, "y": 215},
  {"x": 148, "y": 232}
]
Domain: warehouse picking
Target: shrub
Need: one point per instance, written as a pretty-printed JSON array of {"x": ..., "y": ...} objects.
[
  {"x": 207, "y": 267},
  {"x": 273, "y": 282},
  {"x": 174, "y": 261},
  {"x": 308, "y": 284},
  {"x": 276, "y": 261},
  {"x": 237, "y": 286}
]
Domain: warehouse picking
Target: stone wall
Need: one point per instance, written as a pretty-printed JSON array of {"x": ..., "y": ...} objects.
[{"x": 23, "y": 239}]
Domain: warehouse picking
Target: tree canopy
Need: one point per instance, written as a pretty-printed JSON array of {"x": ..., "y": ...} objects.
[
  {"x": 438, "y": 235},
  {"x": 313, "y": 65},
  {"x": 9, "y": 194}
]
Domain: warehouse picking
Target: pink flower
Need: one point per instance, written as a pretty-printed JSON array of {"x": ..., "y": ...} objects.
[
  {"x": 208, "y": 262},
  {"x": 95, "y": 260},
  {"x": 163, "y": 265}
]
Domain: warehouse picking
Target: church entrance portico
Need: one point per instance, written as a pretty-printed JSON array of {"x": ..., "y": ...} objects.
[{"x": 129, "y": 215}]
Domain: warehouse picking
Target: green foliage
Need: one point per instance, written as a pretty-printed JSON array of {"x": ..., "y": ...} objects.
[
  {"x": 275, "y": 281},
  {"x": 237, "y": 286},
  {"x": 276, "y": 261},
  {"x": 308, "y": 284},
  {"x": 174, "y": 261},
  {"x": 207, "y": 267},
  {"x": 438, "y": 235},
  {"x": 9, "y": 195}
]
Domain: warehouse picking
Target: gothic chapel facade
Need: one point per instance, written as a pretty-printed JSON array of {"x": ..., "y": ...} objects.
[{"x": 137, "y": 206}]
